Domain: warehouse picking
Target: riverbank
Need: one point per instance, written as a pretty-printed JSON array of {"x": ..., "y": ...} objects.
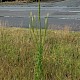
[{"x": 61, "y": 54}]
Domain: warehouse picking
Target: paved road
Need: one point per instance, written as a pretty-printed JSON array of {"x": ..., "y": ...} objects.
[{"x": 65, "y": 13}]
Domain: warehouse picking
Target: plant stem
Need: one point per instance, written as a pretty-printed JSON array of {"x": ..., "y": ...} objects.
[
  {"x": 39, "y": 17},
  {"x": 38, "y": 66}
]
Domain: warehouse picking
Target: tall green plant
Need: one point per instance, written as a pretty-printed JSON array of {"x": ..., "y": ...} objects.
[
  {"x": 38, "y": 41},
  {"x": 38, "y": 66}
]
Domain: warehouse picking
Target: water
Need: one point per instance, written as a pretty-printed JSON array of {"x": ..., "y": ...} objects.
[{"x": 61, "y": 14}]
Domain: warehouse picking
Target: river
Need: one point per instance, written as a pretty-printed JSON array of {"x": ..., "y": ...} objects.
[{"x": 61, "y": 14}]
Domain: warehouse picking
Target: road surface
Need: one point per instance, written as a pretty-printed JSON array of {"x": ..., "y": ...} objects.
[{"x": 61, "y": 14}]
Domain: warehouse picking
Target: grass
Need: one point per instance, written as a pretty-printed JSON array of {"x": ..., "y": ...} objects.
[
  {"x": 39, "y": 54},
  {"x": 61, "y": 54}
]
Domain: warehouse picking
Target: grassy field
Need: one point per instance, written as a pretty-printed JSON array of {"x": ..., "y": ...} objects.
[{"x": 61, "y": 54}]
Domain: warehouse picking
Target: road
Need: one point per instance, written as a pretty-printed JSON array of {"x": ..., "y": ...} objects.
[{"x": 61, "y": 14}]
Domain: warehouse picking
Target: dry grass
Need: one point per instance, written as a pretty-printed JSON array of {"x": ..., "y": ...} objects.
[{"x": 61, "y": 55}]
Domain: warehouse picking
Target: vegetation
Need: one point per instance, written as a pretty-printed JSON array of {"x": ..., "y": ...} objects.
[
  {"x": 39, "y": 54},
  {"x": 61, "y": 54}
]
